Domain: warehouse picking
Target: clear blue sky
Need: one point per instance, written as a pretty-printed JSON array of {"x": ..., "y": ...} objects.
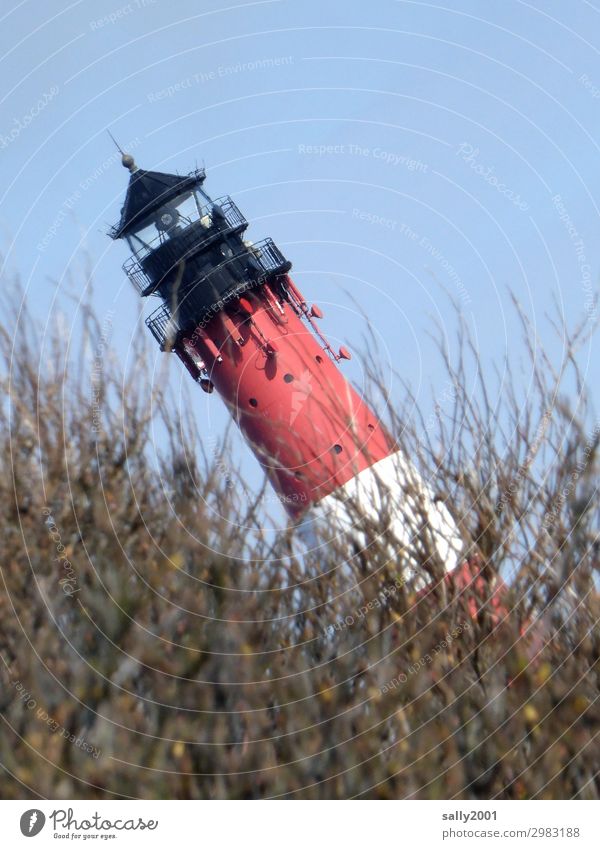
[{"x": 385, "y": 146}]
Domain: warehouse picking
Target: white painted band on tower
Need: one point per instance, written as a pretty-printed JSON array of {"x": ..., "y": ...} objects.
[{"x": 398, "y": 505}]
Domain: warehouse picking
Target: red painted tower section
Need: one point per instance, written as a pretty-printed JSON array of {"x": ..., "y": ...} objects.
[{"x": 308, "y": 427}]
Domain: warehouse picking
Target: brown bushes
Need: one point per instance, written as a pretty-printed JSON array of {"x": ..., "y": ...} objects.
[{"x": 148, "y": 650}]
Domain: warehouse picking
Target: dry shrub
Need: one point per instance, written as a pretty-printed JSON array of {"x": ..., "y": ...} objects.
[{"x": 169, "y": 657}]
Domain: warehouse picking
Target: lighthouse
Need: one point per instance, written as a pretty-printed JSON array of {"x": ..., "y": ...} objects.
[{"x": 230, "y": 311}]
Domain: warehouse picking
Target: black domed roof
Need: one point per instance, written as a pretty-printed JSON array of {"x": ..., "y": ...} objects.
[{"x": 147, "y": 191}]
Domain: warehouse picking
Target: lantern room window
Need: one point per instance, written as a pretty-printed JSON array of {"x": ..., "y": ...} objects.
[{"x": 169, "y": 219}]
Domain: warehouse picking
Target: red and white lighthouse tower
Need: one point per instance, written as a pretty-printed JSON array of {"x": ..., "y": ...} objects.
[{"x": 232, "y": 314}]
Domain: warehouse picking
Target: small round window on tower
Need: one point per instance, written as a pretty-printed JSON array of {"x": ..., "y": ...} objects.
[
  {"x": 253, "y": 402},
  {"x": 288, "y": 378},
  {"x": 337, "y": 448}
]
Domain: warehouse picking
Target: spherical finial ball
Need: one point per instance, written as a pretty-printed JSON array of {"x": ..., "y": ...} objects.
[{"x": 128, "y": 161}]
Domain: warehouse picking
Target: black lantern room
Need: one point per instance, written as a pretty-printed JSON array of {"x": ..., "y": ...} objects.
[{"x": 188, "y": 249}]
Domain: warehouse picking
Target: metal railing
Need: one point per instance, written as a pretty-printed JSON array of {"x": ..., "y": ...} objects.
[
  {"x": 269, "y": 256},
  {"x": 162, "y": 325},
  {"x": 232, "y": 217},
  {"x": 269, "y": 261}
]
